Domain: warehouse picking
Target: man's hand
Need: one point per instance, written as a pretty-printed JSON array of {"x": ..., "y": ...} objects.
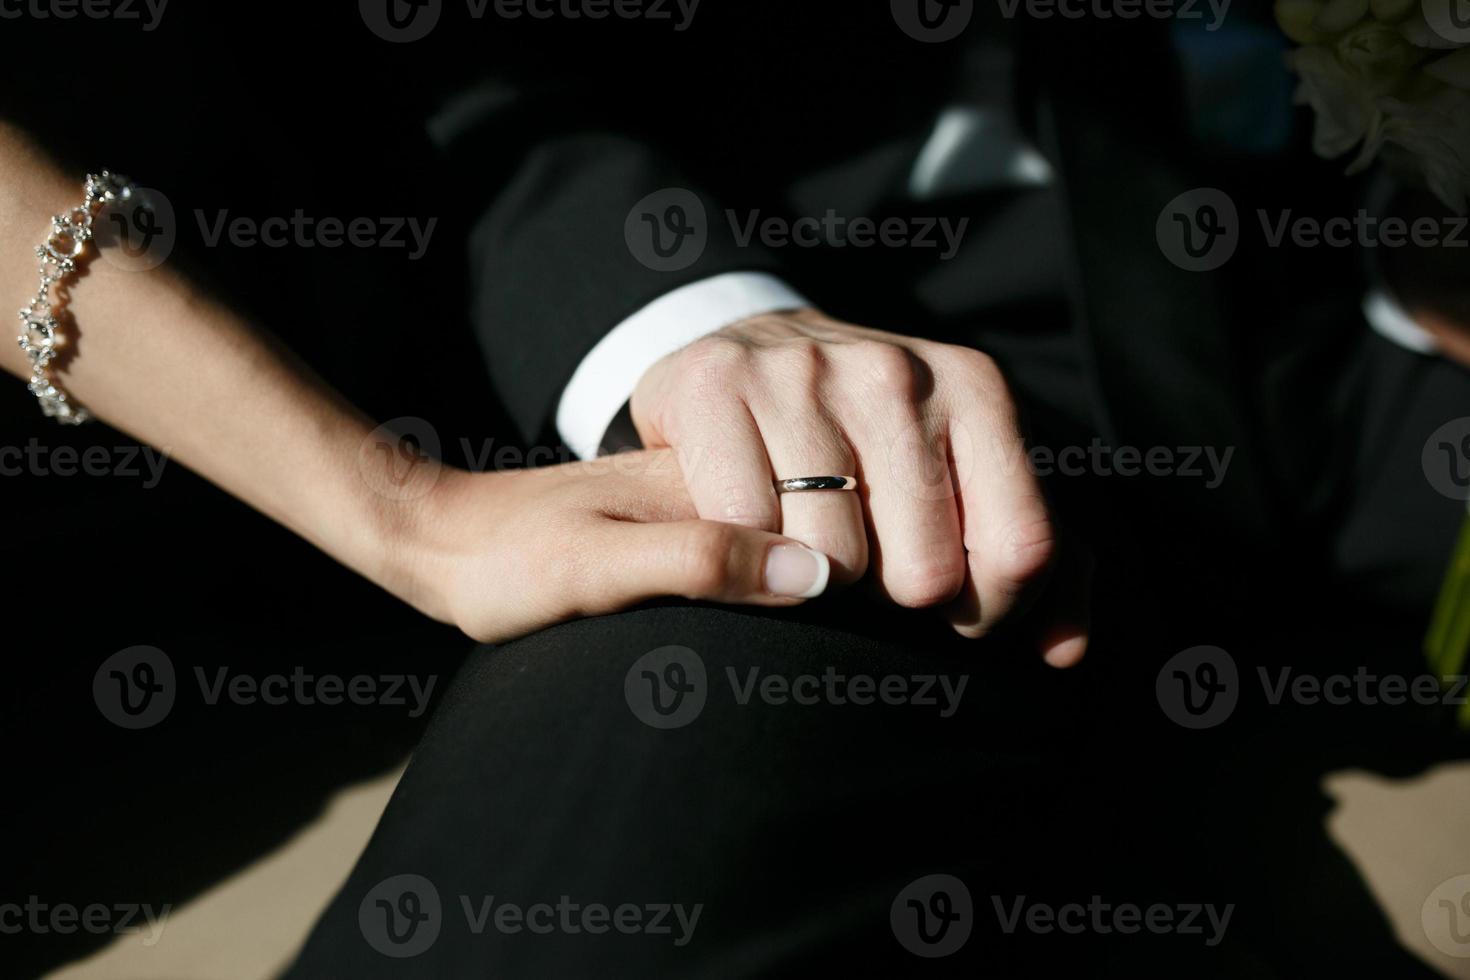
[{"x": 956, "y": 517}]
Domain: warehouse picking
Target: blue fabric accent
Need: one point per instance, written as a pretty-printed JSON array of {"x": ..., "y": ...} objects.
[{"x": 1237, "y": 86}]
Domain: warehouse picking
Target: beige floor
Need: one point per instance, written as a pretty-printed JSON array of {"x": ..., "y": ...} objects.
[
  {"x": 1405, "y": 836},
  {"x": 1408, "y": 837},
  {"x": 249, "y": 926}
]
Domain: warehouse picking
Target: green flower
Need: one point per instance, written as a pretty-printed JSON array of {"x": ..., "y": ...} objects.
[
  {"x": 1378, "y": 54},
  {"x": 1297, "y": 17}
]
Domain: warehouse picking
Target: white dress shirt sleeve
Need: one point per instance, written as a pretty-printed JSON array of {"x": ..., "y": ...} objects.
[
  {"x": 1392, "y": 322},
  {"x": 605, "y": 379}
]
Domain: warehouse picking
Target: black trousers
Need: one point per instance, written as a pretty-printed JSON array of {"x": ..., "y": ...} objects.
[{"x": 554, "y": 823}]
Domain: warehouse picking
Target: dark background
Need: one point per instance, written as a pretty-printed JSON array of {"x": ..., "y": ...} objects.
[
  {"x": 264, "y": 108},
  {"x": 257, "y": 109}
]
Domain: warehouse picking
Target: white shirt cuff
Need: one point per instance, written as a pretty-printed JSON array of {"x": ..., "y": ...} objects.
[
  {"x": 1391, "y": 321},
  {"x": 605, "y": 379}
]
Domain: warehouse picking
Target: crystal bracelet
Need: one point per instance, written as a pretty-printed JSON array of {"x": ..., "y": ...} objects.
[{"x": 41, "y": 334}]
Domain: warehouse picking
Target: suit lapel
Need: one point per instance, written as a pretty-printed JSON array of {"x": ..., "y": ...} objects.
[{"x": 1164, "y": 370}]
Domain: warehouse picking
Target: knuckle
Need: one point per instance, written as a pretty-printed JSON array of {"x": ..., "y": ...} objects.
[
  {"x": 926, "y": 584},
  {"x": 980, "y": 400},
  {"x": 973, "y": 364},
  {"x": 800, "y": 361},
  {"x": 713, "y": 361},
  {"x": 889, "y": 368},
  {"x": 712, "y": 373},
  {"x": 976, "y": 380},
  {"x": 1027, "y": 551}
]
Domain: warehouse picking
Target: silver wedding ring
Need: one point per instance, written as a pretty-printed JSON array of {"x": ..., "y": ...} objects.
[{"x": 806, "y": 484}]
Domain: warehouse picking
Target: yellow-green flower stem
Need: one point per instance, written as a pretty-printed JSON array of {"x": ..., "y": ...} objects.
[{"x": 1448, "y": 641}]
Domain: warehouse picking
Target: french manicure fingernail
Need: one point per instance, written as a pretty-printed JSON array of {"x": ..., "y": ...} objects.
[{"x": 797, "y": 572}]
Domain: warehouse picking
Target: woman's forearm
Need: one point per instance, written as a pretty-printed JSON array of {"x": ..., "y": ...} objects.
[
  {"x": 148, "y": 353},
  {"x": 499, "y": 555}
]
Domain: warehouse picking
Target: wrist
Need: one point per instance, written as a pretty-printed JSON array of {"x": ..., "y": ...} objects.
[
  {"x": 610, "y": 373},
  {"x": 408, "y": 531}
]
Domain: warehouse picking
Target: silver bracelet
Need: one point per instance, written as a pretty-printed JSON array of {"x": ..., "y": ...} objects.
[{"x": 41, "y": 334}]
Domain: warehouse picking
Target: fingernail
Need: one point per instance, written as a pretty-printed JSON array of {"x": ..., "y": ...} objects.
[
  {"x": 795, "y": 571},
  {"x": 1064, "y": 648}
]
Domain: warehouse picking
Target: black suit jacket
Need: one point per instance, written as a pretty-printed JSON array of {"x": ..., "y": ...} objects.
[{"x": 791, "y": 109}]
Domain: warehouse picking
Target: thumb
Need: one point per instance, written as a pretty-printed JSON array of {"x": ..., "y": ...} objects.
[{"x": 706, "y": 560}]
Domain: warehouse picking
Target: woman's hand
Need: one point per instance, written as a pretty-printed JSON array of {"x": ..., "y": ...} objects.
[
  {"x": 503, "y": 554},
  {"x": 497, "y": 554}
]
